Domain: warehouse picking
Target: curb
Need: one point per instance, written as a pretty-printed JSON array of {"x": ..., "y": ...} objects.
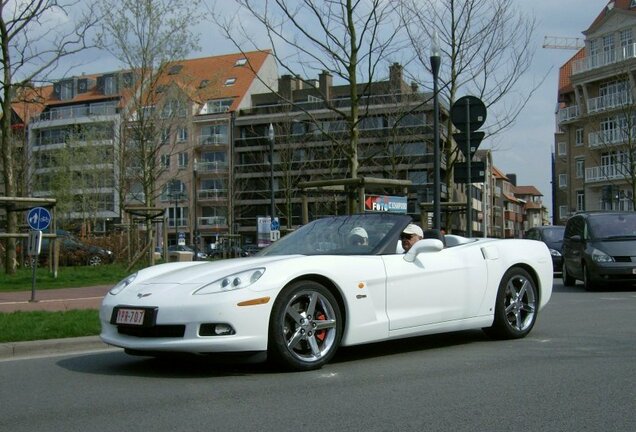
[{"x": 15, "y": 350}]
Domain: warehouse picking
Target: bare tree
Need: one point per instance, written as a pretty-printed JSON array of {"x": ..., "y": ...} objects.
[
  {"x": 30, "y": 52},
  {"x": 148, "y": 37},
  {"x": 346, "y": 38},
  {"x": 486, "y": 48}
]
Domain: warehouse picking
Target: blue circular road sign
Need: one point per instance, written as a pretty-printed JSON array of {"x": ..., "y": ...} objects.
[{"x": 39, "y": 218}]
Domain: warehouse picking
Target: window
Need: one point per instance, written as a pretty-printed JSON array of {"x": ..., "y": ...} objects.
[
  {"x": 182, "y": 134},
  {"x": 217, "y": 106},
  {"x": 230, "y": 81},
  {"x": 580, "y": 168},
  {"x": 66, "y": 90},
  {"x": 563, "y": 180},
  {"x": 563, "y": 212},
  {"x": 579, "y": 137},
  {"x": 165, "y": 161},
  {"x": 110, "y": 85},
  {"x": 175, "y": 69},
  {"x": 165, "y": 135},
  {"x": 632, "y": 3},
  {"x": 203, "y": 83},
  {"x": 241, "y": 62},
  {"x": 183, "y": 159},
  {"x": 580, "y": 200},
  {"x": 561, "y": 148}
]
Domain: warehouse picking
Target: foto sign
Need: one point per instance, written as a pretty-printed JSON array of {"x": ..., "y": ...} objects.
[{"x": 385, "y": 203}]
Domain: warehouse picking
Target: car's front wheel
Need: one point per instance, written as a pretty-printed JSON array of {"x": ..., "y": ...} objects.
[
  {"x": 515, "y": 306},
  {"x": 568, "y": 280},
  {"x": 305, "y": 327},
  {"x": 94, "y": 260},
  {"x": 588, "y": 282}
]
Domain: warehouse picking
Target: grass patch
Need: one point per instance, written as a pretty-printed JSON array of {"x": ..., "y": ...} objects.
[
  {"x": 67, "y": 277},
  {"x": 29, "y": 326}
]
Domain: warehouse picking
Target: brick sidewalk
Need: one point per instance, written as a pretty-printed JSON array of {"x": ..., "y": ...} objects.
[{"x": 54, "y": 299}]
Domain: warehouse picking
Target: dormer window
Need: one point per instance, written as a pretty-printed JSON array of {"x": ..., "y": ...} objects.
[
  {"x": 230, "y": 81},
  {"x": 241, "y": 62},
  {"x": 175, "y": 69},
  {"x": 203, "y": 83}
]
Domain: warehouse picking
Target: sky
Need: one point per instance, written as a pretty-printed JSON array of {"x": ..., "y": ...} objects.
[{"x": 525, "y": 148}]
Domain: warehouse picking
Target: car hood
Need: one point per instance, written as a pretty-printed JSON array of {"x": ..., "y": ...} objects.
[
  {"x": 616, "y": 247},
  {"x": 200, "y": 272}
]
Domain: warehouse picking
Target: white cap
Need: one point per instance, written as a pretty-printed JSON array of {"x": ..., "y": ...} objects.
[
  {"x": 413, "y": 229},
  {"x": 359, "y": 231}
]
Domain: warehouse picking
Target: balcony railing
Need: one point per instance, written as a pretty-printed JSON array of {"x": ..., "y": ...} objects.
[
  {"x": 215, "y": 139},
  {"x": 610, "y": 137},
  {"x": 569, "y": 113},
  {"x": 212, "y": 194},
  {"x": 211, "y": 167},
  {"x": 181, "y": 222},
  {"x": 608, "y": 102},
  {"x": 605, "y": 173},
  {"x": 76, "y": 112},
  {"x": 212, "y": 222},
  {"x": 604, "y": 59}
]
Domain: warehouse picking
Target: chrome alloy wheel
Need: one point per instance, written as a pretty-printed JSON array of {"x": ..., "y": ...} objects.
[
  {"x": 520, "y": 303},
  {"x": 309, "y": 325}
]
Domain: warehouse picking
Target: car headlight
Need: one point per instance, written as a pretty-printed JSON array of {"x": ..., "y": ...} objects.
[
  {"x": 232, "y": 282},
  {"x": 555, "y": 253},
  {"x": 601, "y": 257},
  {"x": 122, "y": 284}
]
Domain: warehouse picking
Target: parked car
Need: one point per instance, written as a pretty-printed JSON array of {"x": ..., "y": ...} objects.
[
  {"x": 599, "y": 249},
  {"x": 74, "y": 251},
  {"x": 251, "y": 249},
  {"x": 296, "y": 304},
  {"x": 552, "y": 236},
  {"x": 228, "y": 252},
  {"x": 182, "y": 248}
]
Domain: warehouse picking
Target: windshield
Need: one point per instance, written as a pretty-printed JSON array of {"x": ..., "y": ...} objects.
[
  {"x": 613, "y": 225},
  {"x": 365, "y": 234},
  {"x": 553, "y": 234}
]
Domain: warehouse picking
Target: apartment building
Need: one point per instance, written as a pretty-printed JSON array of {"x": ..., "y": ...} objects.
[
  {"x": 308, "y": 142},
  {"x": 596, "y": 135}
]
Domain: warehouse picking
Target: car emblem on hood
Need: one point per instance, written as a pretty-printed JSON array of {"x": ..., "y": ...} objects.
[{"x": 140, "y": 295}]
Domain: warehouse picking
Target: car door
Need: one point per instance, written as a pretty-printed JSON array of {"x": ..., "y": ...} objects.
[{"x": 438, "y": 286}]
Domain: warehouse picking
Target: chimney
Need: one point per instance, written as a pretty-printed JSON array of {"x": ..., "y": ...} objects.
[
  {"x": 414, "y": 87},
  {"x": 285, "y": 86},
  {"x": 512, "y": 178},
  {"x": 325, "y": 82},
  {"x": 395, "y": 77}
]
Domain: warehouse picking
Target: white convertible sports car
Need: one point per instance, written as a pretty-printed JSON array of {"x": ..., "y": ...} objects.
[{"x": 316, "y": 289}]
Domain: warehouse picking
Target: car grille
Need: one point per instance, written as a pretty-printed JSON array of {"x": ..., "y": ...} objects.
[
  {"x": 622, "y": 259},
  {"x": 158, "y": 331}
]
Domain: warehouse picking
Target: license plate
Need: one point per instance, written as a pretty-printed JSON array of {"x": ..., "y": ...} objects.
[{"x": 130, "y": 316}]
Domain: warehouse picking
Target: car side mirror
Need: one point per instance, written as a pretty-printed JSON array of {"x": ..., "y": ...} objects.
[{"x": 425, "y": 245}]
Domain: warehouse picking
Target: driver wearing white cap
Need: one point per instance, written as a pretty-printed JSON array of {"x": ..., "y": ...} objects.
[{"x": 411, "y": 234}]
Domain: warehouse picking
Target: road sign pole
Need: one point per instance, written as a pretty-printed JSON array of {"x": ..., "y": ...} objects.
[{"x": 469, "y": 204}]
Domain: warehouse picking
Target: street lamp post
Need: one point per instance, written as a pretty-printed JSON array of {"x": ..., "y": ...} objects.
[
  {"x": 272, "y": 207},
  {"x": 194, "y": 208},
  {"x": 435, "y": 64}
]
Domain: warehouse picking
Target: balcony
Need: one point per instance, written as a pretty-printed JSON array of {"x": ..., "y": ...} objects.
[
  {"x": 181, "y": 222},
  {"x": 604, "y": 59},
  {"x": 606, "y": 173},
  {"x": 211, "y": 167},
  {"x": 212, "y": 222},
  {"x": 608, "y": 102},
  {"x": 213, "y": 140},
  {"x": 212, "y": 195},
  {"x": 610, "y": 137},
  {"x": 74, "y": 112},
  {"x": 568, "y": 113}
]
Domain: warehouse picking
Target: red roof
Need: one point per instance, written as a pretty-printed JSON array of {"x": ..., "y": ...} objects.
[{"x": 527, "y": 190}]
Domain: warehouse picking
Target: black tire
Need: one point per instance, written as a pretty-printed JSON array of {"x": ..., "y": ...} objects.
[
  {"x": 516, "y": 306},
  {"x": 588, "y": 282},
  {"x": 94, "y": 260},
  {"x": 305, "y": 327},
  {"x": 568, "y": 280}
]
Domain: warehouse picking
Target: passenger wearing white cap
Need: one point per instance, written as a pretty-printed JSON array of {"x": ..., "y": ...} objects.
[
  {"x": 411, "y": 234},
  {"x": 358, "y": 237}
]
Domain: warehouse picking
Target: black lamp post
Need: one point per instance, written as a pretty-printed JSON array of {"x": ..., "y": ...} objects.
[
  {"x": 435, "y": 64},
  {"x": 194, "y": 208},
  {"x": 272, "y": 209}
]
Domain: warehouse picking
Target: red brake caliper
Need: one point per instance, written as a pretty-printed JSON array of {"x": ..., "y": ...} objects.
[{"x": 320, "y": 334}]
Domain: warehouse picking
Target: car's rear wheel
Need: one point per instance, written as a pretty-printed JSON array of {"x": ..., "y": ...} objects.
[
  {"x": 568, "y": 280},
  {"x": 515, "y": 306},
  {"x": 305, "y": 327}
]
